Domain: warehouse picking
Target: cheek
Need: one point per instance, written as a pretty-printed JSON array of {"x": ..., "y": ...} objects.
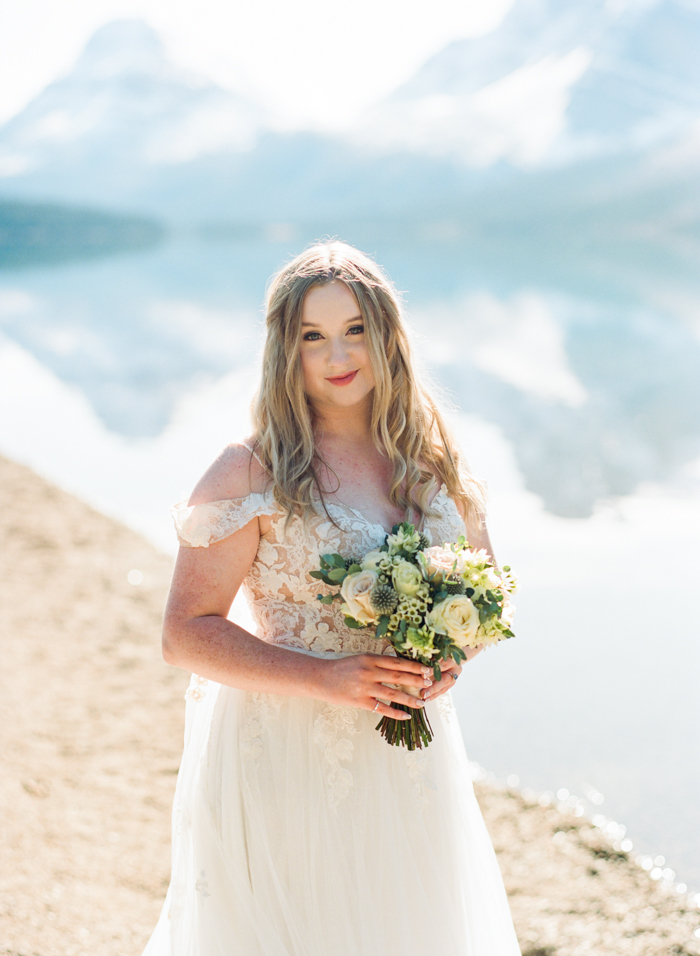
[{"x": 309, "y": 368}]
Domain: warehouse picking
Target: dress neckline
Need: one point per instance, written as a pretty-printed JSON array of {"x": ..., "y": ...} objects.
[{"x": 442, "y": 490}]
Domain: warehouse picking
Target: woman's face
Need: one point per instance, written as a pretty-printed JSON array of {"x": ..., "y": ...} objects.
[{"x": 334, "y": 359}]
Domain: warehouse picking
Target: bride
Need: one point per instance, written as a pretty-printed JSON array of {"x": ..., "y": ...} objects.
[{"x": 297, "y": 830}]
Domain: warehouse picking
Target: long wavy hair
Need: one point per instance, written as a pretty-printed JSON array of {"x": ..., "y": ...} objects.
[{"x": 406, "y": 423}]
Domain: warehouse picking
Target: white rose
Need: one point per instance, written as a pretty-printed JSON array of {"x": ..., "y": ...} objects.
[
  {"x": 407, "y": 578},
  {"x": 355, "y": 591},
  {"x": 442, "y": 561},
  {"x": 373, "y": 559},
  {"x": 457, "y": 617}
]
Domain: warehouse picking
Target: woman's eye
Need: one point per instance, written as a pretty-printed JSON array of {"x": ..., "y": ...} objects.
[
  {"x": 356, "y": 329},
  {"x": 312, "y": 337}
]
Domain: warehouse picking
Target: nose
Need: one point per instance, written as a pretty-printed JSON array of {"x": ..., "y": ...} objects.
[{"x": 338, "y": 352}]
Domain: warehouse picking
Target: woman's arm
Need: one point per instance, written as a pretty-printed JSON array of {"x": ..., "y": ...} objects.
[{"x": 197, "y": 635}]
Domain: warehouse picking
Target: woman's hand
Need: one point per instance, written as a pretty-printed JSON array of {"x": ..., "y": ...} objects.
[
  {"x": 450, "y": 672},
  {"x": 360, "y": 681}
]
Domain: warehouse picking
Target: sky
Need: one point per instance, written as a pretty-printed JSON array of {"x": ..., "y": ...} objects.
[{"x": 314, "y": 63}]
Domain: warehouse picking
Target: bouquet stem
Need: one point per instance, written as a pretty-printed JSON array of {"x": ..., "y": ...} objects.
[{"x": 414, "y": 734}]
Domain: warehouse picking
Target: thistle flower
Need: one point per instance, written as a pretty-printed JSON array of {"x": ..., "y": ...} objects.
[
  {"x": 383, "y": 598},
  {"x": 454, "y": 586}
]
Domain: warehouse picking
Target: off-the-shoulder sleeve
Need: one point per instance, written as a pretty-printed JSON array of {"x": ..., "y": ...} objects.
[{"x": 198, "y": 526}]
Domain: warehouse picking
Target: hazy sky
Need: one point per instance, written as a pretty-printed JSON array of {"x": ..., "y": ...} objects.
[{"x": 309, "y": 59}]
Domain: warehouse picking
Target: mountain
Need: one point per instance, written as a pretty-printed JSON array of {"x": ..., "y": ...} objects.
[
  {"x": 122, "y": 113},
  {"x": 558, "y": 81},
  {"x": 39, "y": 233},
  {"x": 571, "y": 111}
]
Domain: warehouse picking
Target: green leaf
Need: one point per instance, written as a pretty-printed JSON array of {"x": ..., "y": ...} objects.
[
  {"x": 437, "y": 673},
  {"x": 319, "y": 575},
  {"x": 351, "y": 622},
  {"x": 382, "y": 626},
  {"x": 354, "y": 568},
  {"x": 326, "y": 598},
  {"x": 333, "y": 561},
  {"x": 338, "y": 575}
]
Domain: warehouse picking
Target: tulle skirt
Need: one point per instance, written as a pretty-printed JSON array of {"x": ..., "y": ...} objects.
[{"x": 298, "y": 831}]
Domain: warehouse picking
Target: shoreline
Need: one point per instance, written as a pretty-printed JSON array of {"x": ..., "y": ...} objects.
[{"x": 92, "y": 732}]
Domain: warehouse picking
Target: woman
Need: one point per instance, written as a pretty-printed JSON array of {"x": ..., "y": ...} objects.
[{"x": 297, "y": 830}]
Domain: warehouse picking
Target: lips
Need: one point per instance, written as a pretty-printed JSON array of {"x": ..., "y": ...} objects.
[{"x": 343, "y": 379}]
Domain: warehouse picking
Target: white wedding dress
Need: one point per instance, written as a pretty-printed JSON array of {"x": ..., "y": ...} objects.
[{"x": 297, "y": 830}]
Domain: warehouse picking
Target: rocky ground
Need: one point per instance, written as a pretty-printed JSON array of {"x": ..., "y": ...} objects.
[{"x": 91, "y": 725}]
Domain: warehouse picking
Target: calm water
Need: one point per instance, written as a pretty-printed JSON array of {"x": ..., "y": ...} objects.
[{"x": 575, "y": 379}]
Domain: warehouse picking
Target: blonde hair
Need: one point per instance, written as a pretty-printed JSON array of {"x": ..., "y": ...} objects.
[{"x": 406, "y": 423}]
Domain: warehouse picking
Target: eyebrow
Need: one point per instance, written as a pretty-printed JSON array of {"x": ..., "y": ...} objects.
[{"x": 313, "y": 325}]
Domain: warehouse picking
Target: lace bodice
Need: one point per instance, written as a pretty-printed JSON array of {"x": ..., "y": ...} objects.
[{"x": 281, "y": 594}]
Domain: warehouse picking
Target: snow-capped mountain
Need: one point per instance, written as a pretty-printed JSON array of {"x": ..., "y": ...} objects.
[
  {"x": 558, "y": 112},
  {"x": 121, "y": 111},
  {"x": 558, "y": 81}
]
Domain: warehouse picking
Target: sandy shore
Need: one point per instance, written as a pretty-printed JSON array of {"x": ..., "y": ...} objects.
[{"x": 91, "y": 731}]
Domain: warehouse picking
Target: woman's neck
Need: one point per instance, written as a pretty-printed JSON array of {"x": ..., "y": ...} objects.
[{"x": 345, "y": 425}]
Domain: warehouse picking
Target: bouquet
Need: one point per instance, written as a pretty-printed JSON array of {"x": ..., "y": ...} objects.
[{"x": 428, "y": 602}]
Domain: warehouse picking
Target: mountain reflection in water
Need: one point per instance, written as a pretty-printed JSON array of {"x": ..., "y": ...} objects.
[{"x": 597, "y": 392}]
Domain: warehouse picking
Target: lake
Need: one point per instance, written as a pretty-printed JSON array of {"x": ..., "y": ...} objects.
[{"x": 575, "y": 380}]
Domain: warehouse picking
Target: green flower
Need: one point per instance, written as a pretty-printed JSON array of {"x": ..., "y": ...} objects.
[
  {"x": 405, "y": 538},
  {"x": 419, "y": 642}
]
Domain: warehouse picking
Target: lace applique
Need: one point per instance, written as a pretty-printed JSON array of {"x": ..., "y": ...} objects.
[
  {"x": 198, "y": 526},
  {"x": 417, "y": 761},
  {"x": 202, "y": 886},
  {"x": 280, "y": 592},
  {"x": 446, "y": 707},
  {"x": 195, "y": 692},
  {"x": 259, "y": 710},
  {"x": 332, "y": 730}
]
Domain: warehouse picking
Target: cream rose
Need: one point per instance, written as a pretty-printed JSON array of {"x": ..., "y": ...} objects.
[
  {"x": 441, "y": 561},
  {"x": 407, "y": 578},
  {"x": 457, "y": 617},
  {"x": 373, "y": 559},
  {"x": 355, "y": 592}
]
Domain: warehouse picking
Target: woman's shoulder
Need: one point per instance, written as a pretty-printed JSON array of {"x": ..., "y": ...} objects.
[{"x": 236, "y": 473}]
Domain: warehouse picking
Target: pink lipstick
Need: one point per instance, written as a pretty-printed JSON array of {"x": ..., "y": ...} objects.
[{"x": 343, "y": 379}]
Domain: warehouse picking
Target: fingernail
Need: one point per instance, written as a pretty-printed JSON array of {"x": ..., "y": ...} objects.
[
  {"x": 405, "y": 716},
  {"x": 427, "y": 683},
  {"x": 427, "y": 672}
]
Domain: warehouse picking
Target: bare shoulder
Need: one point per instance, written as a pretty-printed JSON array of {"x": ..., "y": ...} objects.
[{"x": 235, "y": 473}]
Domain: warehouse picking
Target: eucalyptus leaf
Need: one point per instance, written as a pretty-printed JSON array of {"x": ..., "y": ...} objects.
[
  {"x": 337, "y": 575},
  {"x": 351, "y": 622},
  {"x": 383, "y": 625}
]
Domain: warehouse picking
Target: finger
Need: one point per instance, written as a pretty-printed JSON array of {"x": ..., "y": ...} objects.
[
  {"x": 384, "y": 710},
  {"x": 448, "y": 665},
  {"x": 403, "y": 677},
  {"x": 399, "y": 696},
  {"x": 441, "y": 687},
  {"x": 398, "y": 663}
]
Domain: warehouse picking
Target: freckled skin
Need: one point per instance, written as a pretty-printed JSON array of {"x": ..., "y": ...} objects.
[{"x": 339, "y": 381}]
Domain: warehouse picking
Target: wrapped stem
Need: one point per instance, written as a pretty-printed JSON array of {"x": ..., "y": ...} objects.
[{"x": 413, "y": 734}]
